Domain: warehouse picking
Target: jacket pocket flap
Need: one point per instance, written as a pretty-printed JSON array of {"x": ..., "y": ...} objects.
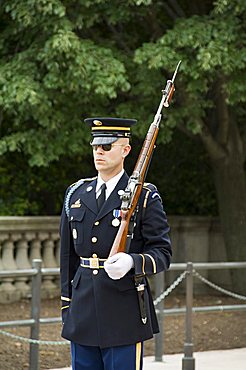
[
  {"x": 76, "y": 214},
  {"x": 76, "y": 279}
]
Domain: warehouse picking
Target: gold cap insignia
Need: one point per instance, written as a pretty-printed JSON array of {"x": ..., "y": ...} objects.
[{"x": 97, "y": 123}]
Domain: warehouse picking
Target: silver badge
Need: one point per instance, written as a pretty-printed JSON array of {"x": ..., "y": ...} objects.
[
  {"x": 89, "y": 188},
  {"x": 75, "y": 235},
  {"x": 115, "y": 222}
]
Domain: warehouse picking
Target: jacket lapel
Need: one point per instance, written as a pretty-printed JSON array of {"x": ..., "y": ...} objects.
[
  {"x": 88, "y": 197},
  {"x": 113, "y": 201}
]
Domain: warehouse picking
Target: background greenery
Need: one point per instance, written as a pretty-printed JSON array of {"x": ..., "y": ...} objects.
[
  {"x": 62, "y": 61},
  {"x": 185, "y": 183}
]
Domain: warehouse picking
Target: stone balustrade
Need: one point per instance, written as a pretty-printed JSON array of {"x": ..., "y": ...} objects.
[
  {"x": 196, "y": 239},
  {"x": 21, "y": 240}
]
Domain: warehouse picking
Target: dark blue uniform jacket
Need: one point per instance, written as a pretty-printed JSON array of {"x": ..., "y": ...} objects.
[{"x": 99, "y": 311}]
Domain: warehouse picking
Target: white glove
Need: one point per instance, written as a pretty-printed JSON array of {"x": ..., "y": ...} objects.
[{"x": 118, "y": 265}]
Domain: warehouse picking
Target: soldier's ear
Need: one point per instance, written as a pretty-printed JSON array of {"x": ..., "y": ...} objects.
[{"x": 126, "y": 150}]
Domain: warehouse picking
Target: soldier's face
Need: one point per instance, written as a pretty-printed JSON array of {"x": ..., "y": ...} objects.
[{"x": 111, "y": 162}]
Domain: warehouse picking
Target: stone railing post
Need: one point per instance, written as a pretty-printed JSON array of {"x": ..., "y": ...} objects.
[
  {"x": 2, "y": 238},
  {"x": 22, "y": 262},
  {"x": 35, "y": 247},
  {"x": 49, "y": 261},
  {"x": 10, "y": 293},
  {"x": 56, "y": 239}
]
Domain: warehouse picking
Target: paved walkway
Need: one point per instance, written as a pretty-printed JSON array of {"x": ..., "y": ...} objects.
[{"x": 232, "y": 359}]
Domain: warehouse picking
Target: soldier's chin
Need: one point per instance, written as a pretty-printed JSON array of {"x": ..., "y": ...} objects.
[{"x": 99, "y": 166}]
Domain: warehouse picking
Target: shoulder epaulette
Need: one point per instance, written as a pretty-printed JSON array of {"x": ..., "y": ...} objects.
[
  {"x": 72, "y": 189},
  {"x": 146, "y": 196},
  {"x": 81, "y": 181},
  {"x": 149, "y": 189},
  {"x": 148, "y": 186}
]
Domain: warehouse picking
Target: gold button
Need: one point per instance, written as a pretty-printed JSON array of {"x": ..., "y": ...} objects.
[
  {"x": 94, "y": 239},
  {"x": 96, "y": 223},
  {"x": 95, "y": 272},
  {"x": 94, "y": 255}
]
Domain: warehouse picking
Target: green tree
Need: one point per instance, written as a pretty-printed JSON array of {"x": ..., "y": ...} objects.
[
  {"x": 50, "y": 76},
  {"x": 211, "y": 102},
  {"x": 61, "y": 61}
]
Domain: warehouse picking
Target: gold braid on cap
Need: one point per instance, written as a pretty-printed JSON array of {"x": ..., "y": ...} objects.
[{"x": 111, "y": 128}]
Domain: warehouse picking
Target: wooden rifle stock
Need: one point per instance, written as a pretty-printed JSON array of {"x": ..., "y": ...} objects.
[
  {"x": 135, "y": 184},
  {"x": 141, "y": 166}
]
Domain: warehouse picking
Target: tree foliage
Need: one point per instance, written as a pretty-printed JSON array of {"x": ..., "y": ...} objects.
[
  {"x": 62, "y": 61},
  {"x": 213, "y": 52},
  {"x": 49, "y": 77},
  {"x": 211, "y": 103}
]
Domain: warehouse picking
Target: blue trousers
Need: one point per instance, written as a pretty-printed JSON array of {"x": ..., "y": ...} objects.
[{"x": 114, "y": 358}]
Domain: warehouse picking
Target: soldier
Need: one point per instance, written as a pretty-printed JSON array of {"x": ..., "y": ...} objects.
[{"x": 104, "y": 316}]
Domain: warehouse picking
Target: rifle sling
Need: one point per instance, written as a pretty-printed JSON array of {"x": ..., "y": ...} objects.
[
  {"x": 139, "y": 280},
  {"x": 131, "y": 228}
]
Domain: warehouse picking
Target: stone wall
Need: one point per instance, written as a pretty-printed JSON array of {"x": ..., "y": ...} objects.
[
  {"x": 199, "y": 239},
  {"x": 22, "y": 239}
]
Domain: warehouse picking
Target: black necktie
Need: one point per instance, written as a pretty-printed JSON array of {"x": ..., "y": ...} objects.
[{"x": 102, "y": 196}]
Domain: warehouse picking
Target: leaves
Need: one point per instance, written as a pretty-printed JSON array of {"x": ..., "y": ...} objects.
[
  {"x": 61, "y": 61},
  {"x": 47, "y": 77},
  {"x": 210, "y": 46}
]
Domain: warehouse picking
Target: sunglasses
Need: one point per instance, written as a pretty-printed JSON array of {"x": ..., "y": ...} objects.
[{"x": 105, "y": 147}]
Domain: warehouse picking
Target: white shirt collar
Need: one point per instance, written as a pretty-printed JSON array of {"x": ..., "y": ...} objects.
[{"x": 110, "y": 184}]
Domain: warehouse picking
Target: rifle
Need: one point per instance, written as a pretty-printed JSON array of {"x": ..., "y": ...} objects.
[{"x": 134, "y": 187}]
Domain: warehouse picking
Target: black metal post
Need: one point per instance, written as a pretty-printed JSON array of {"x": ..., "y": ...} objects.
[
  {"x": 159, "y": 288},
  {"x": 35, "y": 314},
  {"x": 188, "y": 362}
]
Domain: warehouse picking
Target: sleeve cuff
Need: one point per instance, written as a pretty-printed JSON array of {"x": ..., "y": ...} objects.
[
  {"x": 144, "y": 264},
  {"x": 139, "y": 263}
]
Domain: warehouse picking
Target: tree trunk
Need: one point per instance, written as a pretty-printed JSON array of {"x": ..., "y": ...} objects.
[{"x": 230, "y": 185}]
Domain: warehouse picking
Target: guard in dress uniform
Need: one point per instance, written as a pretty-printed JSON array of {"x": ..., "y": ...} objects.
[{"x": 101, "y": 311}]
